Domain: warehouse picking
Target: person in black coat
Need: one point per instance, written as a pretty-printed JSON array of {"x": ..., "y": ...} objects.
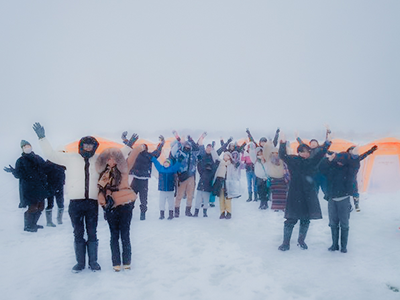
[
  {"x": 337, "y": 170},
  {"x": 355, "y": 163},
  {"x": 55, "y": 185},
  {"x": 302, "y": 200},
  {"x": 207, "y": 166},
  {"x": 29, "y": 168},
  {"x": 141, "y": 172}
]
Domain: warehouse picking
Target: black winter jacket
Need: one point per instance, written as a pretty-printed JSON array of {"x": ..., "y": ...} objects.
[
  {"x": 302, "y": 201},
  {"x": 30, "y": 169}
]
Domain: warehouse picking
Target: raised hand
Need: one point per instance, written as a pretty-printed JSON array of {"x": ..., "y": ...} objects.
[
  {"x": 9, "y": 169},
  {"x": 39, "y": 129},
  {"x": 132, "y": 140}
]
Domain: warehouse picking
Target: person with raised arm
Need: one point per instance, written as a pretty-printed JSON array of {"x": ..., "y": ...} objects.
[{"x": 302, "y": 200}]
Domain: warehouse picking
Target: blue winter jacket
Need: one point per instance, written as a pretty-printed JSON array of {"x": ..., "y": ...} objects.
[{"x": 166, "y": 178}]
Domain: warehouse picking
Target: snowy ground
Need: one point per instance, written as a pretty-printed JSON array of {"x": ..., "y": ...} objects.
[{"x": 206, "y": 258}]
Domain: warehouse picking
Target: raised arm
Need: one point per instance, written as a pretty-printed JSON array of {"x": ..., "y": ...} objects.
[
  {"x": 251, "y": 139},
  {"x": 224, "y": 146},
  {"x": 369, "y": 152},
  {"x": 156, "y": 153},
  {"x": 276, "y": 137}
]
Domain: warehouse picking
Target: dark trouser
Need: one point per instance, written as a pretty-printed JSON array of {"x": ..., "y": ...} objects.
[
  {"x": 339, "y": 216},
  {"x": 262, "y": 189},
  {"x": 304, "y": 224},
  {"x": 119, "y": 221},
  {"x": 36, "y": 207},
  {"x": 59, "y": 195},
  {"x": 339, "y": 213},
  {"x": 141, "y": 187},
  {"x": 84, "y": 212}
]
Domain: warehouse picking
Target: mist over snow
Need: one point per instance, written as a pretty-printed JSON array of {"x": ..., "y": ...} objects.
[{"x": 100, "y": 68}]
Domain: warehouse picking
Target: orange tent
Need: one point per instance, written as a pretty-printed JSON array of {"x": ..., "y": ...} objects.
[
  {"x": 380, "y": 172},
  {"x": 103, "y": 144}
]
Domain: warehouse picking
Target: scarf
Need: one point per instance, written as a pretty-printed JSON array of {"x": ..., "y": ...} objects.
[{"x": 109, "y": 179}]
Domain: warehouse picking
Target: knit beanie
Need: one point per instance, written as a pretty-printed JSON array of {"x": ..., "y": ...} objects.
[{"x": 25, "y": 143}]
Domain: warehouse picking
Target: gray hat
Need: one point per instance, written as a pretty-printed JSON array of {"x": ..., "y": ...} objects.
[{"x": 25, "y": 143}]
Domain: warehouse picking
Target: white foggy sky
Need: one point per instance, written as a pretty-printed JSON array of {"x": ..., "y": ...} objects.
[{"x": 101, "y": 67}]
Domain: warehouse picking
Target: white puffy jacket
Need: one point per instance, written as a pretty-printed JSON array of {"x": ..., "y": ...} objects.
[{"x": 75, "y": 173}]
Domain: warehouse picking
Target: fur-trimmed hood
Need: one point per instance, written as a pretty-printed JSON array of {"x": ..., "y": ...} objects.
[{"x": 117, "y": 154}]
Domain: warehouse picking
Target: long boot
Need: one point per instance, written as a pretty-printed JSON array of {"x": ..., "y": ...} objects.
[
  {"x": 28, "y": 222},
  {"x": 171, "y": 215},
  {"x": 36, "y": 216},
  {"x": 344, "y": 236},
  {"x": 60, "y": 212},
  {"x": 92, "y": 253},
  {"x": 49, "y": 216},
  {"x": 250, "y": 197},
  {"x": 302, "y": 234},
  {"x": 287, "y": 234},
  {"x": 162, "y": 215},
  {"x": 205, "y": 213},
  {"x": 176, "y": 212},
  {"x": 187, "y": 212},
  {"x": 335, "y": 239},
  {"x": 80, "y": 253},
  {"x": 196, "y": 212}
]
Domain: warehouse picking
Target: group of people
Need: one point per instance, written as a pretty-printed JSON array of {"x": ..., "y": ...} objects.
[{"x": 115, "y": 177}]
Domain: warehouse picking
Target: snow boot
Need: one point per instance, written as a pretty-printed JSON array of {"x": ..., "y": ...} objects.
[
  {"x": 335, "y": 239},
  {"x": 228, "y": 216},
  {"x": 171, "y": 215},
  {"x": 205, "y": 213},
  {"x": 117, "y": 268},
  {"x": 162, "y": 215},
  {"x": 344, "y": 236},
  {"x": 49, "y": 216},
  {"x": 36, "y": 217},
  {"x": 92, "y": 253},
  {"x": 28, "y": 222},
  {"x": 60, "y": 213},
  {"x": 196, "y": 212},
  {"x": 357, "y": 204},
  {"x": 287, "y": 234},
  {"x": 142, "y": 216},
  {"x": 256, "y": 198},
  {"x": 222, "y": 216},
  {"x": 263, "y": 205},
  {"x": 80, "y": 254},
  {"x": 187, "y": 212},
  {"x": 250, "y": 197},
  {"x": 302, "y": 234},
  {"x": 176, "y": 212}
]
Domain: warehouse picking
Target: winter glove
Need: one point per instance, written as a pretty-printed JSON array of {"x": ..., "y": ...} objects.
[
  {"x": 230, "y": 139},
  {"x": 109, "y": 203},
  {"x": 124, "y": 137},
  {"x": 213, "y": 144},
  {"x": 39, "y": 129},
  {"x": 374, "y": 148},
  {"x": 9, "y": 170},
  {"x": 162, "y": 140},
  {"x": 278, "y": 130},
  {"x": 176, "y": 135},
  {"x": 133, "y": 140}
]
